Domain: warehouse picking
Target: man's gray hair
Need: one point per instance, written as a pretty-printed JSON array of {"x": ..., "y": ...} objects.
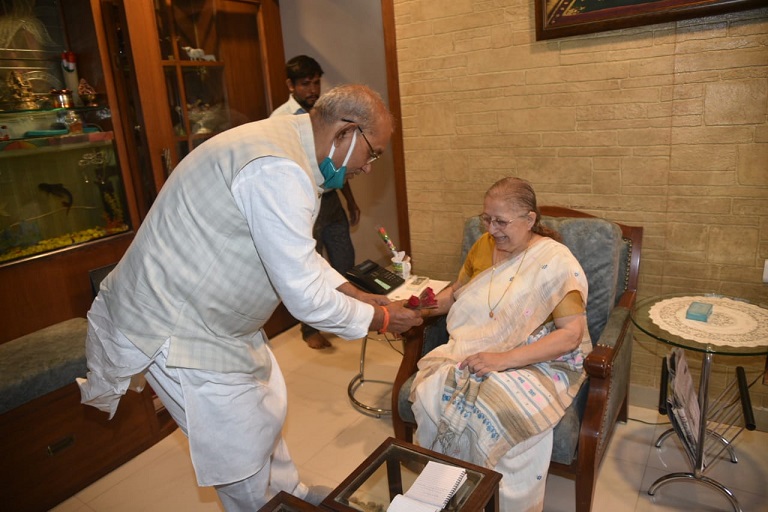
[{"x": 358, "y": 103}]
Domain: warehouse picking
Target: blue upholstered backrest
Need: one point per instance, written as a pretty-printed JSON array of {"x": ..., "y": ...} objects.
[{"x": 601, "y": 251}]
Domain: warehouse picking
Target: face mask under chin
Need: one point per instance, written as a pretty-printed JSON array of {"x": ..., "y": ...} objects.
[{"x": 334, "y": 178}]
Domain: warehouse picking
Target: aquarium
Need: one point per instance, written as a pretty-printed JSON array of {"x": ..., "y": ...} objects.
[{"x": 58, "y": 190}]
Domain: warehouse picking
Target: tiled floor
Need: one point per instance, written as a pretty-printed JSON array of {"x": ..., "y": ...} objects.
[{"x": 328, "y": 438}]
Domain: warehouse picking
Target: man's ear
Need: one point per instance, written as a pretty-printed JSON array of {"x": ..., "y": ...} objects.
[
  {"x": 343, "y": 131},
  {"x": 289, "y": 83}
]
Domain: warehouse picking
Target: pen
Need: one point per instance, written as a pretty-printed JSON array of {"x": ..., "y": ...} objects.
[{"x": 385, "y": 237}]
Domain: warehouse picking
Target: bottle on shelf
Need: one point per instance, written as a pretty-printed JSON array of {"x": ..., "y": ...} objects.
[
  {"x": 73, "y": 121},
  {"x": 71, "y": 80}
]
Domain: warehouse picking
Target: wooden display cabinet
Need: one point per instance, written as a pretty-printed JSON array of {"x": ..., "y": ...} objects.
[
  {"x": 54, "y": 446},
  {"x": 163, "y": 100},
  {"x": 156, "y": 102}
]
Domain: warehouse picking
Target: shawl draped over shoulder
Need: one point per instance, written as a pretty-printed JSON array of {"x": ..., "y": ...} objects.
[{"x": 482, "y": 418}]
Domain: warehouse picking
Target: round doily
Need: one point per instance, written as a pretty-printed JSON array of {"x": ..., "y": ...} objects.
[{"x": 732, "y": 323}]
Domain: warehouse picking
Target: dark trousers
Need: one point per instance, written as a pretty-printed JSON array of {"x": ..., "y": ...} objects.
[{"x": 331, "y": 231}]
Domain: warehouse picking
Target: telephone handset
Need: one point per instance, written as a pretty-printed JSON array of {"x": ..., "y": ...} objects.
[{"x": 374, "y": 278}]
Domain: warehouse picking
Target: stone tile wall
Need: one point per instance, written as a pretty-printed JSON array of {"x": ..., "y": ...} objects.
[{"x": 664, "y": 126}]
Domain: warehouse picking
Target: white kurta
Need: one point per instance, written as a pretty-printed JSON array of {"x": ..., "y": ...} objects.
[{"x": 234, "y": 420}]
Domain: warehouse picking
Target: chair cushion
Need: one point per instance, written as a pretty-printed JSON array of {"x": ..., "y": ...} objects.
[
  {"x": 597, "y": 244},
  {"x": 404, "y": 404},
  {"x": 473, "y": 229},
  {"x": 41, "y": 362},
  {"x": 435, "y": 334}
]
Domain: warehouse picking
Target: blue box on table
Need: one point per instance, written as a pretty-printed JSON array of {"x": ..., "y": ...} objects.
[{"x": 699, "y": 311}]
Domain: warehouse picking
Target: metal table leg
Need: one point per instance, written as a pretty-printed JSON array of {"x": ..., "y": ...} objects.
[
  {"x": 358, "y": 380},
  {"x": 725, "y": 442},
  {"x": 698, "y": 459},
  {"x": 714, "y": 484}
]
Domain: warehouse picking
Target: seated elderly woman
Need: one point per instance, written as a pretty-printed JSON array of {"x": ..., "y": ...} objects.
[{"x": 518, "y": 338}]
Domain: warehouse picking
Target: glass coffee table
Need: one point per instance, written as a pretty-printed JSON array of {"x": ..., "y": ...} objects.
[
  {"x": 284, "y": 502},
  {"x": 735, "y": 328},
  {"x": 393, "y": 468}
]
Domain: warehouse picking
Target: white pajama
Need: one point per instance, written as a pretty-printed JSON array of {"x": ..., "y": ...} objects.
[
  {"x": 229, "y": 404},
  {"x": 233, "y": 421}
]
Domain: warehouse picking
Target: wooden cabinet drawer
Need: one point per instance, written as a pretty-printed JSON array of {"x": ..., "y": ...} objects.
[{"x": 54, "y": 446}]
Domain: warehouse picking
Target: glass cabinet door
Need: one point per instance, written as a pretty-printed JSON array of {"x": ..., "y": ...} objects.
[
  {"x": 61, "y": 178},
  {"x": 200, "y": 67},
  {"x": 193, "y": 69}
]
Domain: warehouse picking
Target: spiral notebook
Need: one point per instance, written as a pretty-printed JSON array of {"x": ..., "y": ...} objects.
[{"x": 432, "y": 490}]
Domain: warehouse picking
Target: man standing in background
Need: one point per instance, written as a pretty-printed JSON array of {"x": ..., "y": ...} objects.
[{"x": 331, "y": 230}]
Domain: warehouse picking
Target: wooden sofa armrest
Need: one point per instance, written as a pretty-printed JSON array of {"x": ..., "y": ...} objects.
[
  {"x": 413, "y": 345},
  {"x": 608, "y": 367},
  {"x": 413, "y": 348},
  {"x": 599, "y": 362}
]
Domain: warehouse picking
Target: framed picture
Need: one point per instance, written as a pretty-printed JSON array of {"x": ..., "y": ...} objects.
[{"x": 563, "y": 18}]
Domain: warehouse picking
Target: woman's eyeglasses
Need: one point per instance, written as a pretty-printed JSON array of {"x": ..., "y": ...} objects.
[{"x": 498, "y": 223}]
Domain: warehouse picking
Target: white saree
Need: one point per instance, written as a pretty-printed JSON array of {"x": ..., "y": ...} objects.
[{"x": 505, "y": 418}]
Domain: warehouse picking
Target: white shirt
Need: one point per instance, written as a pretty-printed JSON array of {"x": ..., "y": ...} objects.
[
  {"x": 281, "y": 226},
  {"x": 290, "y": 107}
]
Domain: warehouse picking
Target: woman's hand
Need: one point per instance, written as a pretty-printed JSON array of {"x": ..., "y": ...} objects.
[
  {"x": 483, "y": 363},
  {"x": 564, "y": 339}
]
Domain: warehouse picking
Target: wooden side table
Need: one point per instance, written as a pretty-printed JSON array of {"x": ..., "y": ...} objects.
[{"x": 392, "y": 469}]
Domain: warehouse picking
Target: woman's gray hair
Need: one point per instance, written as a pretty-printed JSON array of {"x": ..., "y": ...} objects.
[
  {"x": 519, "y": 193},
  {"x": 358, "y": 103}
]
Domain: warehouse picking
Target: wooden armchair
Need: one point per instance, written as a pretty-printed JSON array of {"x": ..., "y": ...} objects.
[{"x": 610, "y": 256}]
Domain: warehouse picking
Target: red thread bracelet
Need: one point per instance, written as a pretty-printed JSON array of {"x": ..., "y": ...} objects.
[{"x": 386, "y": 320}]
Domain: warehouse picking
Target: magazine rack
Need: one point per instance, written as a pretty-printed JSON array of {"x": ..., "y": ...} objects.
[{"x": 720, "y": 423}]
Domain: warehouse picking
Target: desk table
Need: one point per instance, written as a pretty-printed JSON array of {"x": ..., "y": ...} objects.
[
  {"x": 735, "y": 328},
  {"x": 402, "y": 292}
]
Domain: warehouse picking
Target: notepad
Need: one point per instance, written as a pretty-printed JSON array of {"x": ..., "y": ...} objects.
[{"x": 432, "y": 490}]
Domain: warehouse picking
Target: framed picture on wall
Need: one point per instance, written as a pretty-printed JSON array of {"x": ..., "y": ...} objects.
[{"x": 563, "y": 18}]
